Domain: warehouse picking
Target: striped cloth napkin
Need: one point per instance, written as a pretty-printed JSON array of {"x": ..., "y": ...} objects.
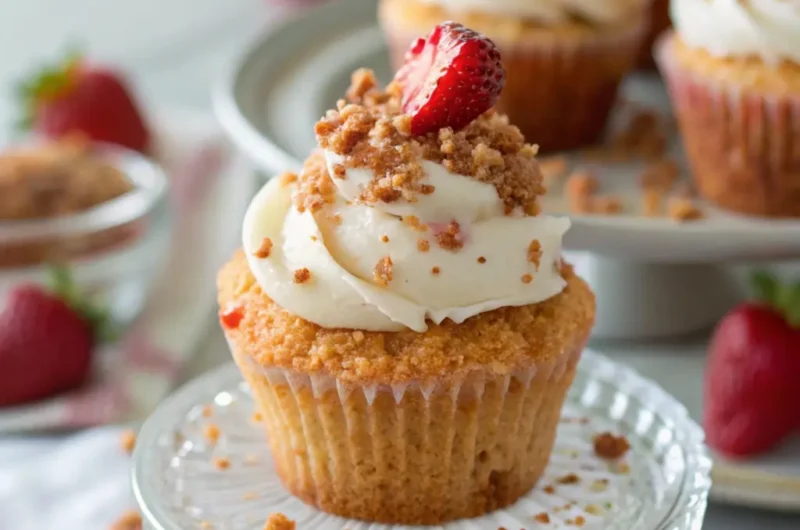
[{"x": 210, "y": 187}]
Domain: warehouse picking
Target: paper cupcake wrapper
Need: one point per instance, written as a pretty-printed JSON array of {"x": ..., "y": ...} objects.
[
  {"x": 411, "y": 453},
  {"x": 559, "y": 91},
  {"x": 743, "y": 146}
]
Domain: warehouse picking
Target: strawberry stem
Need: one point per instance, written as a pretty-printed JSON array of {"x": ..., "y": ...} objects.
[
  {"x": 784, "y": 298},
  {"x": 63, "y": 285}
]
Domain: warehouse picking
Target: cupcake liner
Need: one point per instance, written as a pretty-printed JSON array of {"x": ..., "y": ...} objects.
[
  {"x": 559, "y": 90},
  {"x": 659, "y": 23},
  {"x": 743, "y": 146},
  {"x": 412, "y": 453}
]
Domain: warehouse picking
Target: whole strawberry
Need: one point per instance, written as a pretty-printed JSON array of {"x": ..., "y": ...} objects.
[
  {"x": 76, "y": 97},
  {"x": 46, "y": 341},
  {"x": 752, "y": 387},
  {"x": 450, "y": 78}
]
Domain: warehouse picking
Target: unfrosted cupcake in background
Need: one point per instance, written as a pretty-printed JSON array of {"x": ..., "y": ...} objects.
[
  {"x": 733, "y": 70},
  {"x": 400, "y": 309},
  {"x": 564, "y": 58},
  {"x": 659, "y": 23}
]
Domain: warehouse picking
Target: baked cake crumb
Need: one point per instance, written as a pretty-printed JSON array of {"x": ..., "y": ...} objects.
[
  {"x": 302, "y": 275},
  {"x": 682, "y": 209},
  {"x": 527, "y": 278},
  {"x": 128, "y": 441},
  {"x": 570, "y": 478},
  {"x": 609, "y": 446},
  {"x": 221, "y": 463},
  {"x": 278, "y": 521},
  {"x": 211, "y": 432},
  {"x": 130, "y": 520},
  {"x": 543, "y": 518},
  {"x": 382, "y": 274},
  {"x": 423, "y": 245},
  {"x": 535, "y": 252},
  {"x": 264, "y": 249},
  {"x": 373, "y": 132}
]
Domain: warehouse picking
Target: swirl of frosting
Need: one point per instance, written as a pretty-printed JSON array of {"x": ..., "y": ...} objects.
[
  {"x": 769, "y": 29},
  {"x": 546, "y": 11},
  {"x": 383, "y": 231}
]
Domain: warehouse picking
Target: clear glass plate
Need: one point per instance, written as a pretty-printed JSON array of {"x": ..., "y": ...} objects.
[{"x": 662, "y": 484}]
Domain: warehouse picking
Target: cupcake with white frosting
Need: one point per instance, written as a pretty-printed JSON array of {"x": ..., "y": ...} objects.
[
  {"x": 565, "y": 58},
  {"x": 733, "y": 69},
  {"x": 400, "y": 309}
]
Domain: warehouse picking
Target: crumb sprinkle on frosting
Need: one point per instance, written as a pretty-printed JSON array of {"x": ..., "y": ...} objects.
[{"x": 371, "y": 131}]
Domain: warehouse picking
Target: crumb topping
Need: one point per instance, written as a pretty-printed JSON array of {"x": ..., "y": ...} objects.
[
  {"x": 208, "y": 411},
  {"x": 543, "y": 518},
  {"x": 371, "y": 131},
  {"x": 527, "y": 278},
  {"x": 383, "y": 271},
  {"x": 128, "y": 441},
  {"x": 287, "y": 178},
  {"x": 302, "y": 275},
  {"x": 265, "y": 249},
  {"x": 610, "y": 447},
  {"x": 535, "y": 253},
  {"x": 435, "y": 271},
  {"x": 450, "y": 237},
  {"x": 549, "y": 489},
  {"x": 130, "y": 520},
  {"x": 423, "y": 245},
  {"x": 211, "y": 432},
  {"x": 221, "y": 463},
  {"x": 481, "y": 260},
  {"x": 385, "y": 238},
  {"x": 570, "y": 478},
  {"x": 412, "y": 221}
]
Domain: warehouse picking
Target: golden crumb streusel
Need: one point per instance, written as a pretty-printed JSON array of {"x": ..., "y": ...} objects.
[
  {"x": 371, "y": 131},
  {"x": 504, "y": 338}
]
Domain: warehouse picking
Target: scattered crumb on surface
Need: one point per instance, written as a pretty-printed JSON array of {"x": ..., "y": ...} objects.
[
  {"x": 278, "y": 521},
  {"x": 211, "y": 432},
  {"x": 130, "y": 520},
  {"x": 250, "y": 496},
  {"x": 593, "y": 509},
  {"x": 543, "y": 518},
  {"x": 682, "y": 209},
  {"x": 610, "y": 446},
  {"x": 606, "y": 205},
  {"x": 651, "y": 202},
  {"x": 257, "y": 417},
  {"x": 128, "y": 441},
  {"x": 570, "y": 478},
  {"x": 221, "y": 463},
  {"x": 527, "y": 278},
  {"x": 549, "y": 489},
  {"x": 208, "y": 411},
  {"x": 599, "y": 485}
]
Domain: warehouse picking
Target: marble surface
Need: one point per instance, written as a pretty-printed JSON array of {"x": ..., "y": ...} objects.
[{"x": 174, "y": 50}]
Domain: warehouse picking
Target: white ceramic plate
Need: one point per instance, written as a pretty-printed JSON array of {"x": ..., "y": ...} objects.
[
  {"x": 178, "y": 487},
  {"x": 287, "y": 79}
]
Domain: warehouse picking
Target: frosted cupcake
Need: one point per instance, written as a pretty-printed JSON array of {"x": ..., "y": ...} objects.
[
  {"x": 565, "y": 59},
  {"x": 733, "y": 70},
  {"x": 400, "y": 309},
  {"x": 659, "y": 23}
]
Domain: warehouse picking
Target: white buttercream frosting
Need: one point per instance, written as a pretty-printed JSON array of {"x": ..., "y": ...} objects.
[
  {"x": 341, "y": 256},
  {"x": 546, "y": 11},
  {"x": 769, "y": 29}
]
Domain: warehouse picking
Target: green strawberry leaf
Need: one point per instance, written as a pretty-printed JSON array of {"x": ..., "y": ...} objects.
[
  {"x": 784, "y": 298},
  {"x": 789, "y": 303},
  {"x": 51, "y": 82},
  {"x": 766, "y": 287},
  {"x": 99, "y": 318}
]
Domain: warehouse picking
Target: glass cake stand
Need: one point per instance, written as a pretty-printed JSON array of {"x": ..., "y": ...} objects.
[{"x": 662, "y": 484}]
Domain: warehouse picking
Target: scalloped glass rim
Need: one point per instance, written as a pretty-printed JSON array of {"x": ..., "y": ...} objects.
[{"x": 656, "y": 424}]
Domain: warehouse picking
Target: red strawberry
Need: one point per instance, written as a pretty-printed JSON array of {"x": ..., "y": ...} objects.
[
  {"x": 752, "y": 390},
  {"x": 46, "y": 342},
  {"x": 450, "y": 78},
  {"x": 78, "y": 98}
]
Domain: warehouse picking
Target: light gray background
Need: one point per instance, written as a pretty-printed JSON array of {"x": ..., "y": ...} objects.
[{"x": 174, "y": 50}]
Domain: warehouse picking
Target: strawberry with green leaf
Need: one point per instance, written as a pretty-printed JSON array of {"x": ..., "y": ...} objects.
[
  {"x": 752, "y": 387},
  {"x": 47, "y": 337},
  {"x": 77, "y": 97}
]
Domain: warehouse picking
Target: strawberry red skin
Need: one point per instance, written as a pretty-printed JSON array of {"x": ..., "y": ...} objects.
[
  {"x": 752, "y": 391},
  {"x": 99, "y": 105},
  {"x": 450, "y": 78},
  {"x": 45, "y": 347}
]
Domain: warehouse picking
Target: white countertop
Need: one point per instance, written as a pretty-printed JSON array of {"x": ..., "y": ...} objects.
[{"x": 174, "y": 50}]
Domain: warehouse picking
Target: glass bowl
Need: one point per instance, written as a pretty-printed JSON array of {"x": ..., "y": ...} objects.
[
  {"x": 663, "y": 483},
  {"x": 114, "y": 250}
]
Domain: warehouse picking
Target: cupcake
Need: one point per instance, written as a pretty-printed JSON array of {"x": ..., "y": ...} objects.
[
  {"x": 565, "y": 59},
  {"x": 659, "y": 23},
  {"x": 733, "y": 71},
  {"x": 400, "y": 309}
]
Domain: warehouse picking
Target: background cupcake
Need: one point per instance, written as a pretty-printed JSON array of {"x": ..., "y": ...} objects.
[
  {"x": 564, "y": 59},
  {"x": 659, "y": 22},
  {"x": 733, "y": 70},
  {"x": 391, "y": 392}
]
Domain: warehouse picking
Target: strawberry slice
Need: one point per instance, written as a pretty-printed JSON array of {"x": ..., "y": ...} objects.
[
  {"x": 75, "y": 97},
  {"x": 450, "y": 78},
  {"x": 752, "y": 381}
]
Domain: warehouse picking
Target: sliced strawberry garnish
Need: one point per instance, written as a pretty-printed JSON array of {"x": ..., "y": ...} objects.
[{"x": 450, "y": 78}]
